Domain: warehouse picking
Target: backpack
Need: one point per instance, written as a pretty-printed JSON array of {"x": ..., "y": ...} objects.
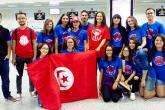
[{"x": 16, "y": 34}]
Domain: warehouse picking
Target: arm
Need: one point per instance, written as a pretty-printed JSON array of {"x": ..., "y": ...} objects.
[
  {"x": 85, "y": 45},
  {"x": 129, "y": 79},
  {"x": 101, "y": 44},
  {"x": 34, "y": 49},
  {"x": 56, "y": 45},
  {"x": 8, "y": 50},
  {"x": 144, "y": 42},
  {"x": 100, "y": 80},
  {"x": 13, "y": 51},
  {"x": 115, "y": 84},
  {"x": 144, "y": 76}
]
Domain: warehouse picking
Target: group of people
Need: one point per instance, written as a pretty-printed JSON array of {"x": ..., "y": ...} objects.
[{"x": 134, "y": 55}]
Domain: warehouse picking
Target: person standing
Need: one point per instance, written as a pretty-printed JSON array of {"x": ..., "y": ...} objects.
[
  {"x": 84, "y": 20},
  {"x": 24, "y": 51},
  {"x": 152, "y": 27},
  {"x": 98, "y": 34},
  {"x": 5, "y": 51}
]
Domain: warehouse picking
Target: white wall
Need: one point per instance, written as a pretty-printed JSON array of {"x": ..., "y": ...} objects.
[
  {"x": 10, "y": 22},
  {"x": 139, "y": 12}
]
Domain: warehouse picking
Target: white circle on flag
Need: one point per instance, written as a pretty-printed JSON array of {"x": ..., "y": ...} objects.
[
  {"x": 23, "y": 40},
  {"x": 64, "y": 77}
]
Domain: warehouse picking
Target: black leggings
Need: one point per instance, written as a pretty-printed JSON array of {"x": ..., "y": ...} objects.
[{"x": 109, "y": 94}]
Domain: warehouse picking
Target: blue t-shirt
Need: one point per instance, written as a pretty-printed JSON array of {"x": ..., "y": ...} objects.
[
  {"x": 116, "y": 38},
  {"x": 85, "y": 27},
  {"x": 154, "y": 29},
  {"x": 129, "y": 68},
  {"x": 110, "y": 68},
  {"x": 80, "y": 36},
  {"x": 43, "y": 38},
  {"x": 66, "y": 51},
  {"x": 138, "y": 33},
  {"x": 60, "y": 33},
  {"x": 158, "y": 63}
]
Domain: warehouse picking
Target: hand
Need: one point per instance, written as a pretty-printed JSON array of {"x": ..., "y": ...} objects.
[
  {"x": 7, "y": 57},
  {"x": 140, "y": 47},
  {"x": 115, "y": 84},
  {"x": 13, "y": 61},
  {"x": 98, "y": 49},
  {"x": 126, "y": 82},
  {"x": 142, "y": 84}
]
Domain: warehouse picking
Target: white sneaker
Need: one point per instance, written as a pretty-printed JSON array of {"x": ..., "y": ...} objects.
[
  {"x": 18, "y": 97},
  {"x": 33, "y": 94},
  {"x": 132, "y": 96}
]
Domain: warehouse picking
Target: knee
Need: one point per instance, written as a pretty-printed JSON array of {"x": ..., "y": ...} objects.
[
  {"x": 106, "y": 99},
  {"x": 160, "y": 95},
  {"x": 136, "y": 78}
]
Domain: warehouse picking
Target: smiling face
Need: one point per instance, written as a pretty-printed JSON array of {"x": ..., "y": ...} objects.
[
  {"x": 99, "y": 18},
  {"x": 131, "y": 22},
  {"x": 21, "y": 18},
  {"x": 109, "y": 51},
  {"x": 131, "y": 44},
  {"x": 84, "y": 17},
  {"x": 116, "y": 20},
  {"x": 44, "y": 50},
  {"x": 126, "y": 52},
  {"x": 70, "y": 43},
  {"x": 76, "y": 24},
  {"x": 65, "y": 20},
  {"x": 150, "y": 14},
  {"x": 159, "y": 42},
  {"x": 49, "y": 26}
]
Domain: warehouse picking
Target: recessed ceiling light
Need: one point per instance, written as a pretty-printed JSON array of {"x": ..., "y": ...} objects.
[
  {"x": 11, "y": 5},
  {"x": 38, "y": 5},
  {"x": 29, "y": 2}
]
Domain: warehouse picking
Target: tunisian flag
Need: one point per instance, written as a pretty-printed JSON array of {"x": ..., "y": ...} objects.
[{"x": 73, "y": 74}]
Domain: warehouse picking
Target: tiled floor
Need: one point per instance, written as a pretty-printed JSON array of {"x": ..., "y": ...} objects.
[{"x": 29, "y": 103}]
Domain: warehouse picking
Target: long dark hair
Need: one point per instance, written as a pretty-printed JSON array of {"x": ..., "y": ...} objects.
[
  {"x": 154, "y": 50},
  {"x": 128, "y": 28},
  {"x": 64, "y": 44},
  {"x": 60, "y": 20},
  {"x": 39, "y": 52},
  {"x": 129, "y": 57},
  {"x": 122, "y": 29},
  {"x": 114, "y": 56},
  {"x": 44, "y": 31},
  {"x": 103, "y": 24},
  {"x": 137, "y": 43}
]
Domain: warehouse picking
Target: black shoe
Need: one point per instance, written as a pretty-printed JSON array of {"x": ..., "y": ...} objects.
[{"x": 11, "y": 98}]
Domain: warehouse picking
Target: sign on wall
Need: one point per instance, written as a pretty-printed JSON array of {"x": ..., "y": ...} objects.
[
  {"x": 92, "y": 14},
  {"x": 72, "y": 13},
  {"x": 160, "y": 12},
  {"x": 39, "y": 16}
]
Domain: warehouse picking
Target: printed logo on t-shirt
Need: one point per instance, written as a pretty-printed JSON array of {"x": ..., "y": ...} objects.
[
  {"x": 110, "y": 69},
  {"x": 159, "y": 61},
  {"x": 23, "y": 40},
  {"x": 117, "y": 36},
  {"x": 49, "y": 42},
  {"x": 132, "y": 36},
  {"x": 96, "y": 35},
  {"x": 128, "y": 69},
  {"x": 150, "y": 33}
]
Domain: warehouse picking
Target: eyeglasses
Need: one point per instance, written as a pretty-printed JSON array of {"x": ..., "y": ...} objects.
[
  {"x": 116, "y": 17},
  {"x": 45, "y": 48},
  {"x": 150, "y": 13}
]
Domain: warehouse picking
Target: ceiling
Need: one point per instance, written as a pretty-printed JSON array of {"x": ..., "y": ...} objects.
[{"x": 57, "y": 3}]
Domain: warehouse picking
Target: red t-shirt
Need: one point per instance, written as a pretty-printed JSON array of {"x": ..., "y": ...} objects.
[
  {"x": 96, "y": 36},
  {"x": 23, "y": 40}
]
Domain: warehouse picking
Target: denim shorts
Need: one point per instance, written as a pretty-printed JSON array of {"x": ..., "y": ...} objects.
[
  {"x": 150, "y": 83},
  {"x": 160, "y": 82}
]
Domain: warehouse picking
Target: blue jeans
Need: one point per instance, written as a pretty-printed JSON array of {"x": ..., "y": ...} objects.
[
  {"x": 4, "y": 72},
  {"x": 141, "y": 59}
]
